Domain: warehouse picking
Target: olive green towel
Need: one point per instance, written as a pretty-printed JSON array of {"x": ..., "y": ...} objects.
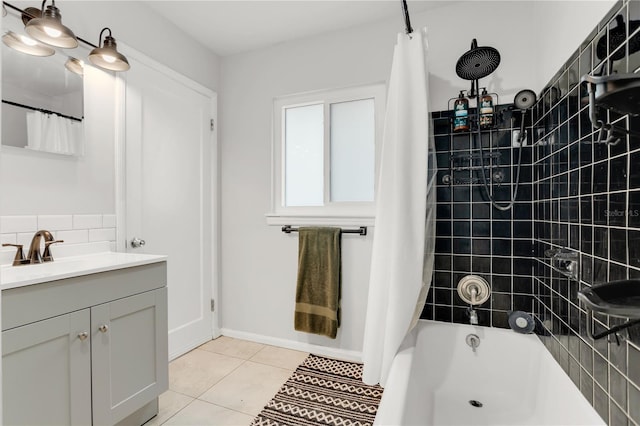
[{"x": 318, "y": 288}]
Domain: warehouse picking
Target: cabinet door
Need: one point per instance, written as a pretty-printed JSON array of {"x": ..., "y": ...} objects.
[
  {"x": 129, "y": 354},
  {"x": 46, "y": 369}
]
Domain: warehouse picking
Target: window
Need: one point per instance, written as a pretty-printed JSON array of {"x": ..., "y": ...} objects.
[{"x": 325, "y": 156}]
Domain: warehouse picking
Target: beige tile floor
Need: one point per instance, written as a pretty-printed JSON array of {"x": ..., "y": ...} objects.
[{"x": 224, "y": 382}]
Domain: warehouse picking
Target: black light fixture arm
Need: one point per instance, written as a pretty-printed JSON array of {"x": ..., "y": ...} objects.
[
  {"x": 407, "y": 20},
  {"x": 102, "y": 32},
  {"x": 17, "y": 9}
]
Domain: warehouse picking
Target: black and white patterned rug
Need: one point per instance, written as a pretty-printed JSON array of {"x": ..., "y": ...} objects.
[{"x": 323, "y": 391}]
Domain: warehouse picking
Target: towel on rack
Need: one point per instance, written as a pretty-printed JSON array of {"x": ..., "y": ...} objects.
[{"x": 318, "y": 288}]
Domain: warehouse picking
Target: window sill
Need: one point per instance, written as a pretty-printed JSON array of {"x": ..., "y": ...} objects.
[{"x": 317, "y": 220}]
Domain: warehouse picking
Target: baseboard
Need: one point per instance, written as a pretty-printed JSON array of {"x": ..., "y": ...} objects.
[{"x": 343, "y": 354}]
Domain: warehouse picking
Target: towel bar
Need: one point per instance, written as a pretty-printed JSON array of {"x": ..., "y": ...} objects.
[{"x": 287, "y": 229}]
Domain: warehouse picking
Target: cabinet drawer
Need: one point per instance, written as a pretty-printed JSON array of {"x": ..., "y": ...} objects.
[{"x": 28, "y": 304}]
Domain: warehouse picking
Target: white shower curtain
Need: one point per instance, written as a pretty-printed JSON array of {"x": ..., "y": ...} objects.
[
  {"x": 403, "y": 243},
  {"x": 51, "y": 133}
]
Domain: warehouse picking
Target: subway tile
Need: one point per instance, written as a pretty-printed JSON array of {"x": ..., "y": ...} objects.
[
  {"x": 109, "y": 221},
  {"x": 9, "y": 224},
  {"x": 24, "y": 238},
  {"x": 55, "y": 222},
  {"x": 73, "y": 237},
  {"x": 8, "y": 239},
  {"x": 104, "y": 234},
  {"x": 87, "y": 221}
]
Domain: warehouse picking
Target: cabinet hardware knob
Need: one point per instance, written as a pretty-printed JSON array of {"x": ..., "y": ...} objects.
[
  {"x": 103, "y": 328},
  {"x": 83, "y": 335}
]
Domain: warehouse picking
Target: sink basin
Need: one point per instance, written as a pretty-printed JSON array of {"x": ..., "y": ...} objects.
[{"x": 617, "y": 298}]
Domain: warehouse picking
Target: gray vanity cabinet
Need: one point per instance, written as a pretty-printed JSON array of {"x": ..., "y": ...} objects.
[
  {"x": 103, "y": 360},
  {"x": 46, "y": 372},
  {"x": 129, "y": 354}
]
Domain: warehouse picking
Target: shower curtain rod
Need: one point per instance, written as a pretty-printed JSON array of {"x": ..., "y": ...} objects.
[
  {"x": 287, "y": 229},
  {"x": 45, "y": 111},
  {"x": 407, "y": 21}
]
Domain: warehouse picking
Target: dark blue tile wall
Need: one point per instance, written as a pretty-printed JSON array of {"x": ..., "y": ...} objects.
[
  {"x": 586, "y": 198},
  {"x": 473, "y": 237},
  {"x": 576, "y": 194}
]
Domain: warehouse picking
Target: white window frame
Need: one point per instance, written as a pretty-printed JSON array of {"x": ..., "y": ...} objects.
[{"x": 331, "y": 213}]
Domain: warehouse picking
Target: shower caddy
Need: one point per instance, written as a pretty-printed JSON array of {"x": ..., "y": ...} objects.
[{"x": 477, "y": 63}]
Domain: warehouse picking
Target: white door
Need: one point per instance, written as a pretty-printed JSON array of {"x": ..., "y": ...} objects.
[{"x": 169, "y": 167}]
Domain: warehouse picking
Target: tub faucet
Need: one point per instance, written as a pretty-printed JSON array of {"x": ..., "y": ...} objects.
[
  {"x": 473, "y": 316},
  {"x": 34, "y": 255}
]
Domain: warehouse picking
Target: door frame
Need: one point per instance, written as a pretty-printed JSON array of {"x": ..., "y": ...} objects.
[{"x": 120, "y": 169}]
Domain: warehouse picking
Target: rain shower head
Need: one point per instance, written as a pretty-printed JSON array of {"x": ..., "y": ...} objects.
[{"x": 478, "y": 62}]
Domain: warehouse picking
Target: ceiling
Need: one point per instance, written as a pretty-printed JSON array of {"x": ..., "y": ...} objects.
[{"x": 231, "y": 27}]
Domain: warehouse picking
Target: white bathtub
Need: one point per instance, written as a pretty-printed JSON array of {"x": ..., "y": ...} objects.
[{"x": 435, "y": 375}]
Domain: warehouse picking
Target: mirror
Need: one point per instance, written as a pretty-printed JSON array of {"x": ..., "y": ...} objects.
[{"x": 42, "y": 100}]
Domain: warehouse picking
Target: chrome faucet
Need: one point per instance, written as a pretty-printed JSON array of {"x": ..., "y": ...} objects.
[
  {"x": 34, "y": 255},
  {"x": 473, "y": 316}
]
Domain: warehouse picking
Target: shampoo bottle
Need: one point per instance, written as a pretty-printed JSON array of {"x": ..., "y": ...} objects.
[
  {"x": 486, "y": 110},
  {"x": 461, "y": 114}
]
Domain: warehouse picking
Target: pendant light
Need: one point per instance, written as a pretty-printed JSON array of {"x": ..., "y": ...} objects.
[
  {"x": 75, "y": 66},
  {"x": 27, "y": 45},
  {"x": 106, "y": 55},
  {"x": 49, "y": 29}
]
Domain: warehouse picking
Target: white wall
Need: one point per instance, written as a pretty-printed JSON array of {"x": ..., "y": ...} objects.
[
  {"x": 566, "y": 25},
  {"x": 259, "y": 262},
  {"x": 35, "y": 183}
]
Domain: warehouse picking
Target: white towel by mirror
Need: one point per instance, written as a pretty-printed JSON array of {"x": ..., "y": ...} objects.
[{"x": 51, "y": 133}]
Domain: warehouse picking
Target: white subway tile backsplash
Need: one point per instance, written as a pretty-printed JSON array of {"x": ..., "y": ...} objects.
[
  {"x": 10, "y": 224},
  {"x": 82, "y": 233},
  {"x": 7, "y": 238},
  {"x": 24, "y": 238},
  {"x": 55, "y": 222},
  {"x": 109, "y": 221},
  {"x": 105, "y": 234},
  {"x": 73, "y": 237},
  {"x": 87, "y": 221}
]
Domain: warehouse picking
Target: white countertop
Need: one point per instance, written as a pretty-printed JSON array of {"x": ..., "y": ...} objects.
[{"x": 72, "y": 266}]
